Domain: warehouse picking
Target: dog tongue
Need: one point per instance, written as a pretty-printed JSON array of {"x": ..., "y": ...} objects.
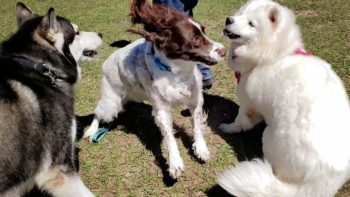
[{"x": 238, "y": 76}]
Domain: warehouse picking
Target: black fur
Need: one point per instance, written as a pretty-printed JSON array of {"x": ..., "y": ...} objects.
[{"x": 35, "y": 115}]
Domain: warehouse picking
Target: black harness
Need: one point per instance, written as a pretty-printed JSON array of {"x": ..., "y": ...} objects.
[{"x": 40, "y": 68}]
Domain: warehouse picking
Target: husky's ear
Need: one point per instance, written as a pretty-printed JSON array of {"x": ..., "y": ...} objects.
[
  {"x": 23, "y": 13},
  {"x": 49, "y": 21}
]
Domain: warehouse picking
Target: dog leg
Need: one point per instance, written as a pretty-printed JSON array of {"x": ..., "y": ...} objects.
[
  {"x": 92, "y": 129},
  {"x": 108, "y": 107},
  {"x": 199, "y": 122},
  {"x": 163, "y": 120},
  {"x": 62, "y": 184},
  {"x": 245, "y": 120}
]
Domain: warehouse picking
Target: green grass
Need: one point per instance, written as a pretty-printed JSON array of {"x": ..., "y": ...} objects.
[{"x": 131, "y": 161}]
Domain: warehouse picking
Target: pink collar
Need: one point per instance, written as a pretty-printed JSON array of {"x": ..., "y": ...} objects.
[
  {"x": 301, "y": 51},
  {"x": 298, "y": 51}
]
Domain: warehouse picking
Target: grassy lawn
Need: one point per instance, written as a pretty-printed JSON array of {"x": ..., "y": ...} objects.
[{"x": 131, "y": 161}]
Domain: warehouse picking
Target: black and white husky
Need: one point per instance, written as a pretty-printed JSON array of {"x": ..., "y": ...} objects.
[{"x": 39, "y": 66}]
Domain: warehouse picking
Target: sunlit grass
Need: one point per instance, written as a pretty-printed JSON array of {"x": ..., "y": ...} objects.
[{"x": 125, "y": 162}]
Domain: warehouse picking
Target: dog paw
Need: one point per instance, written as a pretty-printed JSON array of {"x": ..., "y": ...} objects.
[
  {"x": 176, "y": 168},
  {"x": 230, "y": 128},
  {"x": 201, "y": 150},
  {"x": 89, "y": 133}
]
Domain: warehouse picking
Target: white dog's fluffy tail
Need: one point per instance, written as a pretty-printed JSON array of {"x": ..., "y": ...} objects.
[{"x": 254, "y": 178}]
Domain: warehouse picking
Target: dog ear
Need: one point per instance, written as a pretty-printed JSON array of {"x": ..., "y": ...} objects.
[
  {"x": 165, "y": 38},
  {"x": 23, "y": 13},
  {"x": 49, "y": 21},
  {"x": 273, "y": 15}
]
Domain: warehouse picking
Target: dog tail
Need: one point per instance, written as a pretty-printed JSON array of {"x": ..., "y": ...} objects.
[{"x": 256, "y": 178}]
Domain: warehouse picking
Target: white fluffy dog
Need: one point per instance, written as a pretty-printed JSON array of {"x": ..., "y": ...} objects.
[{"x": 304, "y": 103}]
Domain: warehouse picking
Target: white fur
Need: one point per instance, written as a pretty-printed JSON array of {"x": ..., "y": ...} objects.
[
  {"x": 84, "y": 41},
  {"x": 88, "y": 41},
  {"x": 302, "y": 100},
  {"x": 131, "y": 74},
  {"x": 61, "y": 183}
]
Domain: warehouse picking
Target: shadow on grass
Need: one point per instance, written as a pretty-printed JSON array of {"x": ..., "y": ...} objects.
[
  {"x": 247, "y": 145},
  {"x": 138, "y": 120},
  {"x": 120, "y": 43}
]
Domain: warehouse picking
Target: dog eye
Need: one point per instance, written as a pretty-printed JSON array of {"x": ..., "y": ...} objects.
[
  {"x": 196, "y": 41},
  {"x": 251, "y": 24},
  {"x": 70, "y": 39},
  {"x": 77, "y": 33}
]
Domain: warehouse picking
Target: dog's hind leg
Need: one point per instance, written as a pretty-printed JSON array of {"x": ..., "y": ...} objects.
[
  {"x": 60, "y": 183},
  {"x": 162, "y": 116},
  {"x": 108, "y": 107}
]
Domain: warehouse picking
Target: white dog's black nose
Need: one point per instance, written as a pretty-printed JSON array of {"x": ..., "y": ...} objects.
[
  {"x": 229, "y": 20},
  {"x": 100, "y": 35}
]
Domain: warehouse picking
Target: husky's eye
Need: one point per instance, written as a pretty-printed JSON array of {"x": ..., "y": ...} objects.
[
  {"x": 77, "y": 33},
  {"x": 70, "y": 39},
  {"x": 251, "y": 24}
]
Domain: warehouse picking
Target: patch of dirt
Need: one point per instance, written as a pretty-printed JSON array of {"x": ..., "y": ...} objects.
[{"x": 306, "y": 13}]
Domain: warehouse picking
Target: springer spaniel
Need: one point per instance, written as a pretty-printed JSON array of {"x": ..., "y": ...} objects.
[{"x": 161, "y": 70}]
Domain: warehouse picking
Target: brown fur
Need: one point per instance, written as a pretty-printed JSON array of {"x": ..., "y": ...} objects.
[{"x": 171, "y": 31}]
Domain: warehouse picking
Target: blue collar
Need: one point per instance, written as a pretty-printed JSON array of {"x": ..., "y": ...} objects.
[{"x": 161, "y": 65}]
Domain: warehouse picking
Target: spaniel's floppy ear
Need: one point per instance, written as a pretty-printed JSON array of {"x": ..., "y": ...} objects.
[
  {"x": 151, "y": 36},
  {"x": 156, "y": 18},
  {"x": 23, "y": 13}
]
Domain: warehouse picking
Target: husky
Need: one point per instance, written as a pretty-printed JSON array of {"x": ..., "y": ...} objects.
[
  {"x": 301, "y": 99},
  {"x": 160, "y": 69},
  {"x": 40, "y": 64}
]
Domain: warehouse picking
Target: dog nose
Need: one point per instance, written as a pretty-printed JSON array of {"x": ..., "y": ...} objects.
[
  {"x": 100, "y": 35},
  {"x": 221, "y": 51},
  {"x": 229, "y": 20}
]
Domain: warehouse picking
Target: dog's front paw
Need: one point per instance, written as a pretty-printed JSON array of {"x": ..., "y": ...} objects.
[
  {"x": 201, "y": 150},
  {"x": 89, "y": 133},
  {"x": 230, "y": 128},
  {"x": 176, "y": 168}
]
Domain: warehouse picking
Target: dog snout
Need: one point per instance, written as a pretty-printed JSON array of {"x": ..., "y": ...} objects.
[
  {"x": 221, "y": 51},
  {"x": 227, "y": 32},
  {"x": 100, "y": 35},
  {"x": 229, "y": 20}
]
